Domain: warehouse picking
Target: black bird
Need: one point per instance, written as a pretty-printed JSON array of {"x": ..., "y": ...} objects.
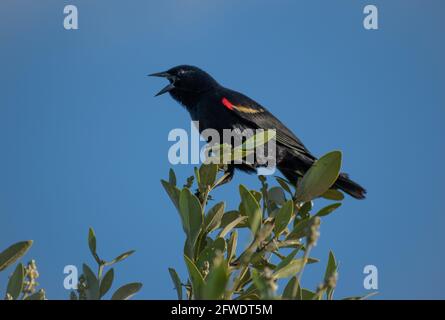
[{"x": 217, "y": 107}]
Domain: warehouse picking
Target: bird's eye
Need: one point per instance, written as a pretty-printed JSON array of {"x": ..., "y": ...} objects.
[{"x": 181, "y": 72}]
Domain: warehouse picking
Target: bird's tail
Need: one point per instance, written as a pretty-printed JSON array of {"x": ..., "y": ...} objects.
[
  {"x": 343, "y": 183},
  {"x": 350, "y": 187}
]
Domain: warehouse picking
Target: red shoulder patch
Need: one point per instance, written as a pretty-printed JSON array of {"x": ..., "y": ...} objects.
[{"x": 227, "y": 104}]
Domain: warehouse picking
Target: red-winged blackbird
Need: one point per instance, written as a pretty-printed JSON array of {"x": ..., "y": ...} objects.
[{"x": 217, "y": 107}]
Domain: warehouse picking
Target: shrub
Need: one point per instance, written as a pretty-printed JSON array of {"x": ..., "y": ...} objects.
[
  {"x": 278, "y": 218},
  {"x": 22, "y": 283},
  {"x": 281, "y": 222}
]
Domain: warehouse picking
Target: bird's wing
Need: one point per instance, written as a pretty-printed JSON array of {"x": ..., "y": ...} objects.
[{"x": 251, "y": 111}]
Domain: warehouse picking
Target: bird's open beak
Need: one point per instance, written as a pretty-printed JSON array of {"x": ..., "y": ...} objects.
[{"x": 167, "y": 88}]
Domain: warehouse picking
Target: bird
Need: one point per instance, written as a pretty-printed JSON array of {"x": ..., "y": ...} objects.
[{"x": 217, "y": 107}]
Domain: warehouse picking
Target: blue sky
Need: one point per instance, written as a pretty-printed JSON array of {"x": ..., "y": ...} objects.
[{"x": 84, "y": 143}]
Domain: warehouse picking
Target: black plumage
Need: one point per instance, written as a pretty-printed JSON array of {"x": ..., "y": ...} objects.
[{"x": 219, "y": 108}]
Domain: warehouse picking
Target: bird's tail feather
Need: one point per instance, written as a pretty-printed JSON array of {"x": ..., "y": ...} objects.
[{"x": 350, "y": 187}]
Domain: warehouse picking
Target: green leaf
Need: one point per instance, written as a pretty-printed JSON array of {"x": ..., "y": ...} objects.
[
  {"x": 106, "y": 282},
  {"x": 207, "y": 174},
  {"x": 198, "y": 179},
  {"x": 176, "y": 281},
  {"x": 92, "y": 244},
  {"x": 283, "y": 217},
  {"x": 121, "y": 257},
  {"x": 231, "y": 225},
  {"x": 196, "y": 278},
  {"x": 15, "y": 283},
  {"x": 231, "y": 216},
  {"x": 292, "y": 291},
  {"x": 210, "y": 252},
  {"x": 244, "y": 279},
  {"x": 361, "y": 297},
  {"x": 320, "y": 177},
  {"x": 331, "y": 267},
  {"x": 251, "y": 208},
  {"x": 231, "y": 246},
  {"x": 260, "y": 284},
  {"x": 92, "y": 241},
  {"x": 276, "y": 194},
  {"x": 13, "y": 253},
  {"x": 290, "y": 244},
  {"x": 127, "y": 291},
  {"x": 93, "y": 292},
  {"x": 251, "y": 293},
  {"x": 172, "y": 177},
  {"x": 260, "y": 263},
  {"x": 216, "y": 282},
  {"x": 301, "y": 229},
  {"x": 258, "y": 140},
  {"x": 284, "y": 184},
  {"x": 307, "y": 294},
  {"x": 327, "y": 210},
  {"x": 173, "y": 192},
  {"x": 39, "y": 295},
  {"x": 287, "y": 260},
  {"x": 319, "y": 294},
  {"x": 331, "y": 270},
  {"x": 212, "y": 220},
  {"x": 192, "y": 217},
  {"x": 312, "y": 260},
  {"x": 257, "y": 195},
  {"x": 291, "y": 269},
  {"x": 333, "y": 194}
]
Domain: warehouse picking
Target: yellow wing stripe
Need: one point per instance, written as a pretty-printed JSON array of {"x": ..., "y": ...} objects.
[{"x": 247, "y": 109}]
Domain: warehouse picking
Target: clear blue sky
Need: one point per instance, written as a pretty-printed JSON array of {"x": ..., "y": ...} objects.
[{"x": 84, "y": 143}]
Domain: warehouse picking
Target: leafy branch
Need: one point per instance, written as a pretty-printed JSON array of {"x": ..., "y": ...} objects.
[
  {"x": 277, "y": 218},
  {"x": 22, "y": 284},
  {"x": 93, "y": 286}
]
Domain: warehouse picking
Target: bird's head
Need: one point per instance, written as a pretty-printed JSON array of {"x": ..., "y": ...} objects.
[{"x": 186, "y": 82}]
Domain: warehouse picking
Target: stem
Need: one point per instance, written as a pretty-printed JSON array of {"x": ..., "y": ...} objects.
[
  {"x": 237, "y": 281},
  {"x": 202, "y": 233},
  {"x": 205, "y": 198},
  {"x": 305, "y": 258},
  {"x": 245, "y": 257},
  {"x": 100, "y": 271}
]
